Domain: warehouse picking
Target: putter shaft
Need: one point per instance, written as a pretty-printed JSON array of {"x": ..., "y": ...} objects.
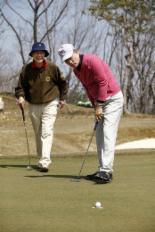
[
  {"x": 26, "y": 135},
  {"x": 95, "y": 126},
  {"x": 28, "y": 147}
]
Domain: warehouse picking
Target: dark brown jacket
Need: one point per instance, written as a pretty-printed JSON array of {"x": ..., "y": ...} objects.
[{"x": 41, "y": 85}]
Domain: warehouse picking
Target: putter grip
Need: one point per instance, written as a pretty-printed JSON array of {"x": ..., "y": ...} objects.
[{"x": 95, "y": 126}]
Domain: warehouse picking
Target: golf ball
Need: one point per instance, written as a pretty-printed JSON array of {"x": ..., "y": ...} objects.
[
  {"x": 28, "y": 167},
  {"x": 98, "y": 204}
]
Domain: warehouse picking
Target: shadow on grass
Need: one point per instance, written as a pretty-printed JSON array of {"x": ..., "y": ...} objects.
[
  {"x": 13, "y": 166},
  {"x": 53, "y": 176},
  {"x": 42, "y": 174},
  {"x": 70, "y": 177}
]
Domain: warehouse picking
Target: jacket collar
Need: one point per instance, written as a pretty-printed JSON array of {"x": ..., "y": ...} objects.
[{"x": 44, "y": 64}]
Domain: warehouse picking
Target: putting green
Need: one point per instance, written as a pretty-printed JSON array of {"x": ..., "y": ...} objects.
[{"x": 35, "y": 202}]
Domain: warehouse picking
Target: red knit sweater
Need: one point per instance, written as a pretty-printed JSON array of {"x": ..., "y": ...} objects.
[{"x": 97, "y": 78}]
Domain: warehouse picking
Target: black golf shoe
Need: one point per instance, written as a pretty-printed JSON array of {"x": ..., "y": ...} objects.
[
  {"x": 42, "y": 168},
  {"x": 91, "y": 176},
  {"x": 103, "y": 177}
]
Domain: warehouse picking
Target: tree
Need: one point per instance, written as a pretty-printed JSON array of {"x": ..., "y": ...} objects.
[
  {"x": 34, "y": 31},
  {"x": 66, "y": 24},
  {"x": 134, "y": 21}
]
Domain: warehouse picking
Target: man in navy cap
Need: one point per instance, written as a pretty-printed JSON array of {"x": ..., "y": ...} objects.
[{"x": 43, "y": 86}]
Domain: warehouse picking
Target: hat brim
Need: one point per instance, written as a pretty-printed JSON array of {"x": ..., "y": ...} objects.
[{"x": 46, "y": 52}]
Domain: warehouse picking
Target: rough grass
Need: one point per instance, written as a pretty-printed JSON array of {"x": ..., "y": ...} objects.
[{"x": 35, "y": 202}]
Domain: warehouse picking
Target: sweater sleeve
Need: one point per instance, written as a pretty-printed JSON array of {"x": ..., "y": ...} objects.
[
  {"x": 19, "y": 91},
  {"x": 101, "y": 75}
]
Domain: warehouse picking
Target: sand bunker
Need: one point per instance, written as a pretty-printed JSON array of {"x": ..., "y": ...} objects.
[{"x": 148, "y": 143}]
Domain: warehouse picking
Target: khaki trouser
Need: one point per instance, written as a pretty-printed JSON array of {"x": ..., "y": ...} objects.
[
  {"x": 106, "y": 131},
  {"x": 43, "y": 117}
]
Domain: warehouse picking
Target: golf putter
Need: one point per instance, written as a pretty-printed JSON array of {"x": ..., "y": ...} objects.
[
  {"x": 26, "y": 135},
  {"x": 86, "y": 153}
]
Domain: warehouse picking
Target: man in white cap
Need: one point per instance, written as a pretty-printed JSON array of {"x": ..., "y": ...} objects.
[
  {"x": 43, "y": 86},
  {"x": 107, "y": 99}
]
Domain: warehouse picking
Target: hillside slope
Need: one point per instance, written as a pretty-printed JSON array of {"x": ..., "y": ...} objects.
[{"x": 73, "y": 129}]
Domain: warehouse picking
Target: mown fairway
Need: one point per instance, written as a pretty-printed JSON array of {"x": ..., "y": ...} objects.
[{"x": 34, "y": 202}]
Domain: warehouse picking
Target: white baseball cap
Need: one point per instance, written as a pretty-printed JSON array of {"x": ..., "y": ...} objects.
[{"x": 66, "y": 51}]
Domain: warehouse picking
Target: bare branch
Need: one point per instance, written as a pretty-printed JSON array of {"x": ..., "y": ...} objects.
[
  {"x": 18, "y": 14},
  {"x": 17, "y": 36},
  {"x": 31, "y": 5},
  {"x": 55, "y": 22},
  {"x": 45, "y": 8},
  {"x": 46, "y": 24}
]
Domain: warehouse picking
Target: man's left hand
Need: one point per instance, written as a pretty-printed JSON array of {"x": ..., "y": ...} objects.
[{"x": 61, "y": 103}]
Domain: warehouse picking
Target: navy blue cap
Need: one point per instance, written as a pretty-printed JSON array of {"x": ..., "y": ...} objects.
[{"x": 38, "y": 47}]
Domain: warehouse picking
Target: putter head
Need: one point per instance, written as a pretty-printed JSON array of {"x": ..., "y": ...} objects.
[
  {"x": 28, "y": 167},
  {"x": 76, "y": 179}
]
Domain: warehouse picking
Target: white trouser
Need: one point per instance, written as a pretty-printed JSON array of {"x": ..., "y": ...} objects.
[
  {"x": 43, "y": 117},
  {"x": 106, "y": 131}
]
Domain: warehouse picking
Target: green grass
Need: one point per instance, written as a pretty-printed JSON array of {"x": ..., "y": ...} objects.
[{"x": 34, "y": 202}]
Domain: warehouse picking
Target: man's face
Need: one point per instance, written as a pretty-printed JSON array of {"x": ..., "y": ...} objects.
[
  {"x": 74, "y": 60},
  {"x": 38, "y": 56}
]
